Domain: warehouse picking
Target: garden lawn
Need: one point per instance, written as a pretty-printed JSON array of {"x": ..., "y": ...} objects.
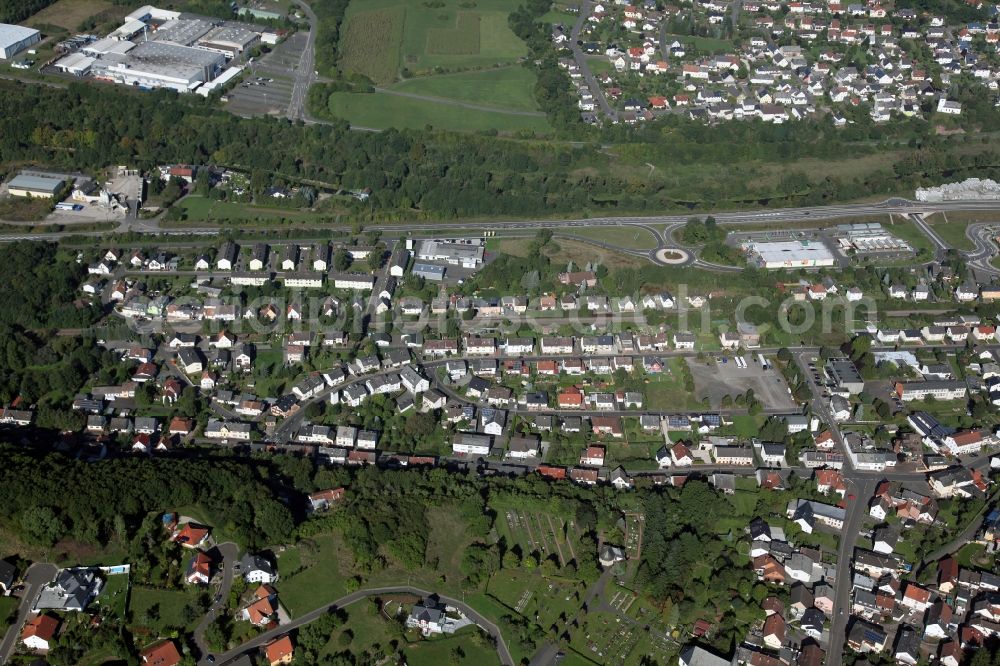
[
  {"x": 313, "y": 578},
  {"x": 707, "y": 44},
  {"x": 503, "y": 88},
  {"x": 436, "y": 651},
  {"x": 379, "y": 111},
  {"x": 115, "y": 594},
  {"x": 167, "y": 605}
]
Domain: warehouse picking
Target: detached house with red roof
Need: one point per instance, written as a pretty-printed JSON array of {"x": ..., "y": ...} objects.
[
  {"x": 39, "y": 632},
  {"x": 680, "y": 454},
  {"x": 200, "y": 570},
  {"x": 191, "y": 535},
  {"x": 279, "y": 651},
  {"x": 830, "y": 480},
  {"x": 915, "y": 597},
  {"x": 322, "y": 500},
  {"x": 593, "y": 456},
  {"x": 161, "y": 654},
  {"x": 769, "y": 569},
  {"x": 262, "y": 610},
  {"x": 570, "y": 398},
  {"x": 774, "y": 631}
]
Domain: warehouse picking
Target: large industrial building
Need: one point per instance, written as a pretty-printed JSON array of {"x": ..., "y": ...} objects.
[
  {"x": 30, "y": 184},
  {"x": 161, "y": 65},
  {"x": 157, "y": 48},
  {"x": 16, "y": 38},
  {"x": 789, "y": 254}
]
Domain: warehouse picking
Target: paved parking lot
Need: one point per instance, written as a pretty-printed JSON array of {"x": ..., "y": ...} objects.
[
  {"x": 267, "y": 87},
  {"x": 717, "y": 380}
]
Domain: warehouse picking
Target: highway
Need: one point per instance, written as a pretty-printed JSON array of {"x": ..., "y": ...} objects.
[{"x": 661, "y": 226}]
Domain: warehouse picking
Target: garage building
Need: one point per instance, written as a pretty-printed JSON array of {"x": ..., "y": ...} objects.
[{"x": 16, "y": 38}]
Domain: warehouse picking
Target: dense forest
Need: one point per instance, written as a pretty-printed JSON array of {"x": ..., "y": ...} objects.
[
  {"x": 40, "y": 287},
  {"x": 15, "y": 11},
  {"x": 420, "y": 174},
  {"x": 47, "y": 498}
]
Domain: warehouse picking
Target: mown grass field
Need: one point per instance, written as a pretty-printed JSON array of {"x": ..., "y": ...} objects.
[
  {"x": 951, "y": 226},
  {"x": 70, "y": 14},
  {"x": 449, "y": 34},
  {"x": 628, "y": 237},
  {"x": 379, "y": 111},
  {"x": 504, "y": 88}
]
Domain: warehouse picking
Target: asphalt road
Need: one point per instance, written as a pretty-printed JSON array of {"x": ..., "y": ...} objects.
[
  {"x": 230, "y": 553},
  {"x": 268, "y": 636},
  {"x": 37, "y": 576},
  {"x": 305, "y": 73},
  {"x": 581, "y": 60},
  {"x": 862, "y": 489}
]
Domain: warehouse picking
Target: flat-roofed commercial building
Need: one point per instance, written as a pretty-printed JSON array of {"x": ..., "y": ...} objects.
[
  {"x": 467, "y": 254},
  {"x": 34, "y": 185},
  {"x": 16, "y": 38},
  {"x": 229, "y": 40},
  {"x": 790, "y": 254}
]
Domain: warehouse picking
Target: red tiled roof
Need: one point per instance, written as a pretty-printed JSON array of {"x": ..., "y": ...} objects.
[
  {"x": 550, "y": 472},
  {"x": 43, "y": 626},
  {"x": 279, "y": 649},
  {"x": 161, "y": 654}
]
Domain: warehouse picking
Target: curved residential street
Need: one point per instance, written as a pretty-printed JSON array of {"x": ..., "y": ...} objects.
[{"x": 268, "y": 636}]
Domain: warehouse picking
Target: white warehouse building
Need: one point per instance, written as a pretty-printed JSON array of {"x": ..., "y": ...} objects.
[
  {"x": 790, "y": 254},
  {"x": 16, "y": 38}
]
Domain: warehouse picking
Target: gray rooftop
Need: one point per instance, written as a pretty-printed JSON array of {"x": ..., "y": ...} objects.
[{"x": 41, "y": 183}]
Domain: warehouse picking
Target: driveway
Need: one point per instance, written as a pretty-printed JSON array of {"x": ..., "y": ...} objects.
[{"x": 37, "y": 576}]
